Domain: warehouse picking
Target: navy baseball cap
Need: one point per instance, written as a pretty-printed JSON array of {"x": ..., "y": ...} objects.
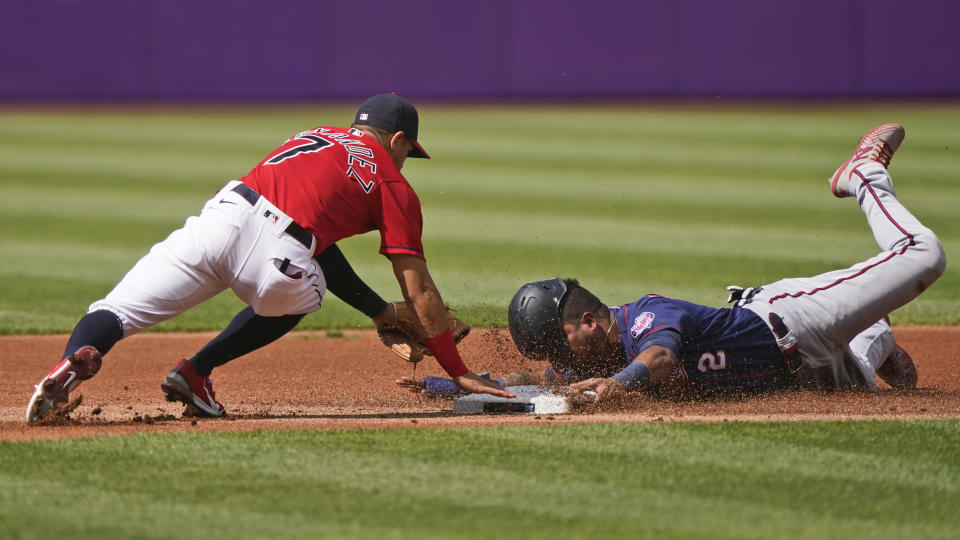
[{"x": 392, "y": 113}]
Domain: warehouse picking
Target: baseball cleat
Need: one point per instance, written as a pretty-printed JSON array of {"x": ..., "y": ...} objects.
[
  {"x": 183, "y": 384},
  {"x": 53, "y": 392},
  {"x": 898, "y": 370},
  {"x": 878, "y": 145}
]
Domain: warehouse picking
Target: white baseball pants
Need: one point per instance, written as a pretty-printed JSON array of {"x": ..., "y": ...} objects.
[{"x": 231, "y": 244}]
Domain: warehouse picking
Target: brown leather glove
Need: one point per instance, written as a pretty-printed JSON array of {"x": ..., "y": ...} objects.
[{"x": 405, "y": 337}]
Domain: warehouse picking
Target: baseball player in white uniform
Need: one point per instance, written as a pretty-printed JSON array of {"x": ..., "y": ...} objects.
[{"x": 271, "y": 238}]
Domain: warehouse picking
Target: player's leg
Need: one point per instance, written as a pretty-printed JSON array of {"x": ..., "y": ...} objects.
[
  {"x": 827, "y": 311},
  {"x": 912, "y": 260},
  {"x": 876, "y": 352},
  {"x": 189, "y": 382},
  {"x": 912, "y": 257},
  {"x": 246, "y": 333},
  {"x": 275, "y": 274},
  {"x": 100, "y": 329},
  {"x": 175, "y": 275},
  {"x": 93, "y": 336}
]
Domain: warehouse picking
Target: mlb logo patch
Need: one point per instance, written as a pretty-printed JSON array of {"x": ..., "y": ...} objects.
[{"x": 643, "y": 322}]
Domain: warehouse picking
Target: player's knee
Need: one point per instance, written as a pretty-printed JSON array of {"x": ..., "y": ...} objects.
[
  {"x": 128, "y": 323},
  {"x": 933, "y": 258}
]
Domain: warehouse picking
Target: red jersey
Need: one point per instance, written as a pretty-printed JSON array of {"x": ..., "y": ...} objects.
[{"x": 338, "y": 182}]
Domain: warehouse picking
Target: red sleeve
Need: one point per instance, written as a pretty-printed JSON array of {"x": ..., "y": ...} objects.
[{"x": 401, "y": 223}]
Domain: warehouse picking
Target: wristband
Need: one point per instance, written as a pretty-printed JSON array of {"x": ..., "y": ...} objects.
[
  {"x": 635, "y": 376},
  {"x": 439, "y": 386},
  {"x": 445, "y": 350}
]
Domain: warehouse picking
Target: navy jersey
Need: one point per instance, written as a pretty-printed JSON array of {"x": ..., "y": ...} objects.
[{"x": 728, "y": 349}]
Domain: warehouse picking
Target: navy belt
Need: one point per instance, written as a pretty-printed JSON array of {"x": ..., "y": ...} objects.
[
  {"x": 791, "y": 355},
  {"x": 293, "y": 229}
]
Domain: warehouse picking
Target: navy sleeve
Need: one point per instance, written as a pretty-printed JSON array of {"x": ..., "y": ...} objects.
[
  {"x": 654, "y": 320},
  {"x": 346, "y": 284},
  {"x": 665, "y": 337}
]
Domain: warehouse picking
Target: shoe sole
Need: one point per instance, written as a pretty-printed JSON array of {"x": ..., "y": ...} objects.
[
  {"x": 175, "y": 388},
  {"x": 902, "y": 374},
  {"x": 39, "y": 404}
]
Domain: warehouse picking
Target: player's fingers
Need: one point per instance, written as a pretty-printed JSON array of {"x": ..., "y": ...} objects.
[
  {"x": 589, "y": 384},
  {"x": 485, "y": 387},
  {"x": 501, "y": 392}
]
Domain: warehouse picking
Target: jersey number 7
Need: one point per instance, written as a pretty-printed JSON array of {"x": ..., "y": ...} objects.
[{"x": 317, "y": 144}]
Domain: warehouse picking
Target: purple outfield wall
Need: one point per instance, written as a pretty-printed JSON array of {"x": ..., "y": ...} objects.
[{"x": 344, "y": 49}]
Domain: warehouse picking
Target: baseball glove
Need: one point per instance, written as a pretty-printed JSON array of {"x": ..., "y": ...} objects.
[{"x": 405, "y": 337}]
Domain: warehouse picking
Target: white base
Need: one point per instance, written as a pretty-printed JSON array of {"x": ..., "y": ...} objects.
[{"x": 530, "y": 399}]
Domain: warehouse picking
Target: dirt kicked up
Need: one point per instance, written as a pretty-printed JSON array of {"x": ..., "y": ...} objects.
[{"x": 321, "y": 380}]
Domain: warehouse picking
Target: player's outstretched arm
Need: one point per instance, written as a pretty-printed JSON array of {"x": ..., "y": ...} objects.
[
  {"x": 441, "y": 387},
  {"x": 421, "y": 293},
  {"x": 650, "y": 367}
]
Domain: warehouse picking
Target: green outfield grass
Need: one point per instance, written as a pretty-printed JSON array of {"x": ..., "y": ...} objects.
[
  {"x": 876, "y": 479},
  {"x": 677, "y": 200}
]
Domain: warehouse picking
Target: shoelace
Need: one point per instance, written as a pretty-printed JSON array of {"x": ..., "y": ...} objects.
[{"x": 884, "y": 155}]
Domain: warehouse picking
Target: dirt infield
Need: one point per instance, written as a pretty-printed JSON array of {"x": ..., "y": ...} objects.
[{"x": 320, "y": 380}]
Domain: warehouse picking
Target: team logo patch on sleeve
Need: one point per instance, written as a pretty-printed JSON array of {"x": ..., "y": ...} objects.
[{"x": 643, "y": 322}]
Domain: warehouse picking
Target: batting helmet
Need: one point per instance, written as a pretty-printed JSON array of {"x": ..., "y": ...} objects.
[{"x": 534, "y": 318}]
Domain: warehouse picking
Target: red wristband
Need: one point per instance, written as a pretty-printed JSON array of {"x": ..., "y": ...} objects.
[{"x": 445, "y": 350}]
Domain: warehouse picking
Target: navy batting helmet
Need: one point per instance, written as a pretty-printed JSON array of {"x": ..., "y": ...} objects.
[{"x": 535, "y": 326}]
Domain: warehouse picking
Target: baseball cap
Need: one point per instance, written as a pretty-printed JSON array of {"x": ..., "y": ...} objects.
[{"x": 392, "y": 113}]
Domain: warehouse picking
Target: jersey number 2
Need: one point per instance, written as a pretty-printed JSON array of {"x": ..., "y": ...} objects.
[
  {"x": 712, "y": 362},
  {"x": 317, "y": 143}
]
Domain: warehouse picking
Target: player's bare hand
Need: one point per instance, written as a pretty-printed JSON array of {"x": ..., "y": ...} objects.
[
  {"x": 476, "y": 384},
  {"x": 411, "y": 384},
  {"x": 607, "y": 389}
]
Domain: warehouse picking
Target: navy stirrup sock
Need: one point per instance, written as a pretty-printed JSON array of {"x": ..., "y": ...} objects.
[
  {"x": 246, "y": 332},
  {"x": 101, "y": 329}
]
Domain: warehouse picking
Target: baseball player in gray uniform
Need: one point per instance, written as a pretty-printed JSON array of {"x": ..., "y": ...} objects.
[
  {"x": 838, "y": 320},
  {"x": 826, "y": 331}
]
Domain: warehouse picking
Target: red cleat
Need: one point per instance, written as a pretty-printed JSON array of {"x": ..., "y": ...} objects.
[{"x": 183, "y": 384}]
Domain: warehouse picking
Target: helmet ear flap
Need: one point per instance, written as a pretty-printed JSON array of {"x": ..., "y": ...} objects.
[{"x": 535, "y": 325}]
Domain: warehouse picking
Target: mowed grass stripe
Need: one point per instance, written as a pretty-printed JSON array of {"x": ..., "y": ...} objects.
[
  {"x": 813, "y": 480},
  {"x": 674, "y": 200}
]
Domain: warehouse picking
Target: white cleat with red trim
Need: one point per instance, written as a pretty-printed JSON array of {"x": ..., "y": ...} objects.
[
  {"x": 877, "y": 146},
  {"x": 51, "y": 397}
]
